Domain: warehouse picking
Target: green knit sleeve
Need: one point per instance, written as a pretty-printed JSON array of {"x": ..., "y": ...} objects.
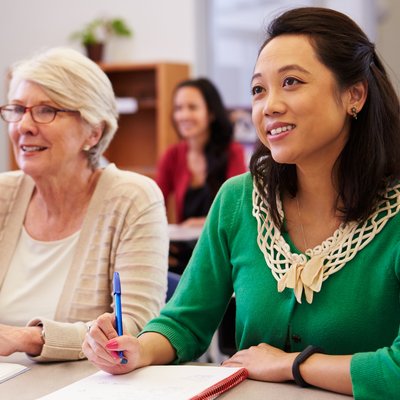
[{"x": 376, "y": 375}]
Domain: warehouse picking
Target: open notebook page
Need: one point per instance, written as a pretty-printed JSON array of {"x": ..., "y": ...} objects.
[
  {"x": 167, "y": 382},
  {"x": 9, "y": 370}
]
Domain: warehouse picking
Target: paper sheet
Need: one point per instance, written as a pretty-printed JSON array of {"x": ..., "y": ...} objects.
[
  {"x": 9, "y": 370},
  {"x": 179, "y": 233},
  {"x": 172, "y": 382}
]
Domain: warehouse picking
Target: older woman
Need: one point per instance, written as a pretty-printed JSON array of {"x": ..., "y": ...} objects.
[{"x": 65, "y": 223}]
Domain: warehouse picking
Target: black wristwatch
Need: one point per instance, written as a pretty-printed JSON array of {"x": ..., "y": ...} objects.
[{"x": 307, "y": 352}]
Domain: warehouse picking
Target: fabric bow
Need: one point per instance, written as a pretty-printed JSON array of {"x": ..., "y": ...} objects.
[{"x": 306, "y": 276}]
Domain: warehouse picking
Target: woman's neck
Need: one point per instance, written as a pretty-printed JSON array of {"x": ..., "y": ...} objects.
[
  {"x": 197, "y": 143},
  {"x": 312, "y": 215},
  {"x": 57, "y": 208},
  {"x": 55, "y": 195},
  {"x": 316, "y": 189}
]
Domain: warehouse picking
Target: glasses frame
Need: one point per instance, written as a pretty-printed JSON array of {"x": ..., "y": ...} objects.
[{"x": 25, "y": 109}]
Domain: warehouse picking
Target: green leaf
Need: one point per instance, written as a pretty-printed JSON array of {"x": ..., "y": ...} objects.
[
  {"x": 98, "y": 30},
  {"x": 120, "y": 28}
]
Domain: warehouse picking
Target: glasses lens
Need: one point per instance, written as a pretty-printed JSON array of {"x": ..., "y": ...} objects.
[
  {"x": 12, "y": 113},
  {"x": 43, "y": 114}
]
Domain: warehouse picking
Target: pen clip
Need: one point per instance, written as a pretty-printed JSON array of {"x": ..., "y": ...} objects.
[{"x": 116, "y": 283}]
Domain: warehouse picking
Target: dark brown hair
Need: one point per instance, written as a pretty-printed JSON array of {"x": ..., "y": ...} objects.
[{"x": 370, "y": 159}]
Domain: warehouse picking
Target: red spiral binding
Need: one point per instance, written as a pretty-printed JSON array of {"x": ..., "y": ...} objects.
[{"x": 215, "y": 390}]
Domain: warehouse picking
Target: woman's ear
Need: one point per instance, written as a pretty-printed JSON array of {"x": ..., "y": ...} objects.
[
  {"x": 96, "y": 134},
  {"x": 357, "y": 95}
]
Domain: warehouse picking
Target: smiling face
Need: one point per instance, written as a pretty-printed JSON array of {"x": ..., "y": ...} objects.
[
  {"x": 190, "y": 113},
  {"x": 51, "y": 149},
  {"x": 298, "y": 111}
]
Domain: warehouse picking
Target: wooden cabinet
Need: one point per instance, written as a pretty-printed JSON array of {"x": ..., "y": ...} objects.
[{"x": 144, "y": 135}]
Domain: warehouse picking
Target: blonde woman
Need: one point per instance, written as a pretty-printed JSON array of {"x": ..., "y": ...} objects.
[{"x": 65, "y": 223}]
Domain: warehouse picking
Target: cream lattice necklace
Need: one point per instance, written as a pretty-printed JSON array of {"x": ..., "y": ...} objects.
[{"x": 306, "y": 272}]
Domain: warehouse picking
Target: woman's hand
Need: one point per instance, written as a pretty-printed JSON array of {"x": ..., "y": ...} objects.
[
  {"x": 267, "y": 363},
  {"x": 102, "y": 344},
  {"x": 264, "y": 363},
  {"x": 9, "y": 340},
  {"x": 26, "y": 339}
]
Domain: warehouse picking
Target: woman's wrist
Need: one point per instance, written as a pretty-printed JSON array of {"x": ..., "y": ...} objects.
[
  {"x": 300, "y": 358},
  {"x": 288, "y": 368},
  {"x": 30, "y": 340},
  {"x": 154, "y": 348}
]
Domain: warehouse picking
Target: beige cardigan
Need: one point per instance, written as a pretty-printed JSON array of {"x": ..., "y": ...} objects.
[{"x": 125, "y": 230}]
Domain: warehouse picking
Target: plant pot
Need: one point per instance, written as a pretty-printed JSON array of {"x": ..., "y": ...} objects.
[{"x": 95, "y": 51}]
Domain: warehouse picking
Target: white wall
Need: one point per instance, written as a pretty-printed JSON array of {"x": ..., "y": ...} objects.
[
  {"x": 381, "y": 25},
  {"x": 238, "y": 29},
  {"x": 388, "y": 39},
  {"x": 164, "y": 31}
]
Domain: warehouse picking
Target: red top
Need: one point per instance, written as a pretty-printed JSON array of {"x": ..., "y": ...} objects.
[{"x": 173, "y": 175}]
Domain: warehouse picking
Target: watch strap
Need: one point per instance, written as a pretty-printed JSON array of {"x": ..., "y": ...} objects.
[{"x": 306, "y": 353}]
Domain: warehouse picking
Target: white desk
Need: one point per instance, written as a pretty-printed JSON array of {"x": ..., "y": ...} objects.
[
  {"x": 43, "y": 379},
  {"x": 179, "y": 233}
]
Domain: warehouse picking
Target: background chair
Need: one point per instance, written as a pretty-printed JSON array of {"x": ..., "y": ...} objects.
[
  {"x": 173, "y": 280},
  {"x": 226, "y": 330}
]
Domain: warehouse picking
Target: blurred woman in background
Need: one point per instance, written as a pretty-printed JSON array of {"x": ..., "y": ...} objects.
[{"x": 194, "y": 169}]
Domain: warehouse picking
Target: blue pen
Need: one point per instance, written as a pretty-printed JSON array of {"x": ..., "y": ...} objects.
[{"x": 118, "y": 311}]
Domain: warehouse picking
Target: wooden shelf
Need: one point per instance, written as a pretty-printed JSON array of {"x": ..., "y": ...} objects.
[{"x": 143, "y": 136}]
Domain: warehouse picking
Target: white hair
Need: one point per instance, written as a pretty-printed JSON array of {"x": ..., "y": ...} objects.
[{"x": 75, "y": 82}]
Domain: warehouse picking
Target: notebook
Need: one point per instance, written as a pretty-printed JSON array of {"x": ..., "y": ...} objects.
[
  {"x": 167, "y": 382},
  {"x": 9, "y": 370}
]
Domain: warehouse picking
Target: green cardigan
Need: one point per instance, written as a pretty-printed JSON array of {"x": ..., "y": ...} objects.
[{"x": 356, "y": 312}]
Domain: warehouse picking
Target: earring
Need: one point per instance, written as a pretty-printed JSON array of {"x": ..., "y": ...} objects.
[
  {"x": 354, "y": 112},
  {"x": 86, "y": 147}
]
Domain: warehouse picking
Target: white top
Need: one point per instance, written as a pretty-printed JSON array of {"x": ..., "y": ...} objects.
[{"x": 35, "y": 278}]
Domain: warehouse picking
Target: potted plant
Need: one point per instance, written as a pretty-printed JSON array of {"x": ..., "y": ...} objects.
[{"x": 96, "y": 33}]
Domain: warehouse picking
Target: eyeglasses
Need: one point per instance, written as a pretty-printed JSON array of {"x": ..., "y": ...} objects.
[{"x": 41, "y": 114}]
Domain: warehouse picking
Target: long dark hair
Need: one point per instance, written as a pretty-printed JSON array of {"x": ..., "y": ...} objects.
[
  {"x": 221, "y": 132},
  {"x": 370, "y": 159}
]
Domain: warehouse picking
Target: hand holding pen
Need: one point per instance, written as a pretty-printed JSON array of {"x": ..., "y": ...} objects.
[{"x": 118, "y": 311}]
